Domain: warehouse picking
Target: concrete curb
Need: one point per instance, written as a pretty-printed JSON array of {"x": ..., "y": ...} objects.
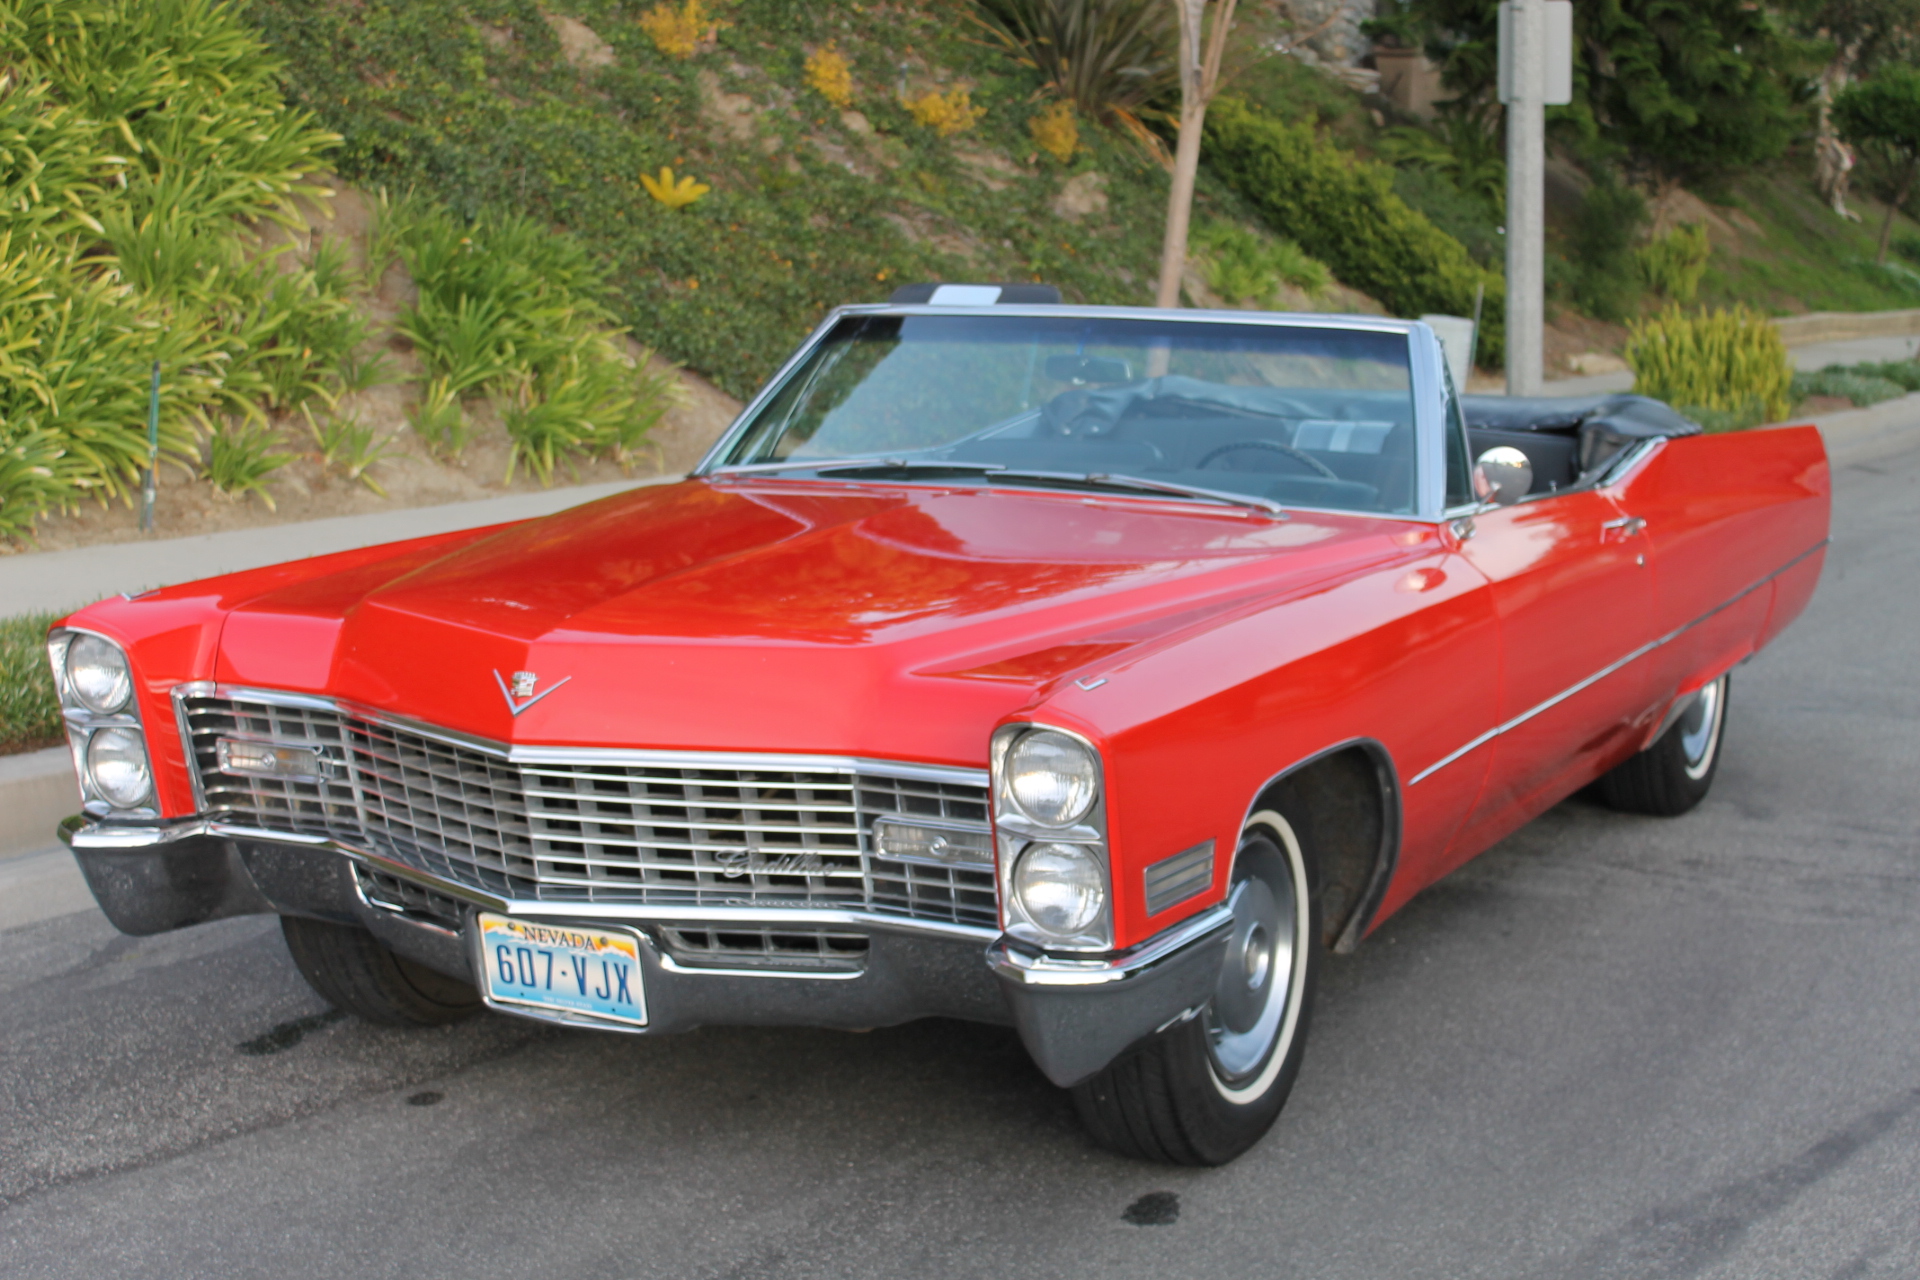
[{"x": 36, "y": 791}]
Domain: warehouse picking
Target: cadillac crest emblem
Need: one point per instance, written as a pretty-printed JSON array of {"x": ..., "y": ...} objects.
[{"x": 520, "y": 694}]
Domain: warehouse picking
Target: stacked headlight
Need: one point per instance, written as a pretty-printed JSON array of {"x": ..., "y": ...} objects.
[
  {"x": 97, "y": 675},
  {"x": 110, "y": 755},
  {"x": 1050, "y": 818}
]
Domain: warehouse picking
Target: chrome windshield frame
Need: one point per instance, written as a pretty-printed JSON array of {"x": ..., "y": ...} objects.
[{"x": 1423, "y": 351}]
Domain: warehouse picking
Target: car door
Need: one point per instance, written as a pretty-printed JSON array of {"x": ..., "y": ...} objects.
[
  {"x": 1726, "y": 515},
  {"x": 1574, "y": 597}
]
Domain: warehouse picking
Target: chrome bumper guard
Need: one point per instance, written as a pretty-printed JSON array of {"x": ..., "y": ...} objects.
[{"x": 1075, "y": 1015}]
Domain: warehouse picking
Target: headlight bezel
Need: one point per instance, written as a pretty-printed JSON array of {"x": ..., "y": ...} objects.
[
  {"x": 83, "y": 722},
  {"x": 1016, "y": 833}
]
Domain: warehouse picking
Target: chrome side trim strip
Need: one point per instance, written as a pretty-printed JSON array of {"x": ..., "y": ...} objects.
[
  {"x": 1609, "y": 669},
  {"x": 514, "y": 754}
]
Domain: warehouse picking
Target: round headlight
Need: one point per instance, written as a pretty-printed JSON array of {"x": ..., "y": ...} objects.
[
  {"x": 1059, "y": 887},
  {"x": 117, "y": 767},
  {"x": 97, "y": 673},
  {"x": 1052, "y": 777}
]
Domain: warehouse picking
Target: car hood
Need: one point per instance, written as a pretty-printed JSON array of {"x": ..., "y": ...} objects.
[{"x": 768, "y": 615}]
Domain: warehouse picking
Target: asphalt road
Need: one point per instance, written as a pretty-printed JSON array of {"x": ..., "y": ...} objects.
[{"x": 1612, "y": 1047}]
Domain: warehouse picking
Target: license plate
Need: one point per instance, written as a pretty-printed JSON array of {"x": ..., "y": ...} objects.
[{"x": 563, "y": 969}]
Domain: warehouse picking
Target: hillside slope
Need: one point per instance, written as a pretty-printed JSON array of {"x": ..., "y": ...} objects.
[{"x": 560, "y": 110}]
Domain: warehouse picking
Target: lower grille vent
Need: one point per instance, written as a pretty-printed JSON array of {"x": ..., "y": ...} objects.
[
  {"x": 790, "y": 949},
  {"x": 392, "y": 893}
]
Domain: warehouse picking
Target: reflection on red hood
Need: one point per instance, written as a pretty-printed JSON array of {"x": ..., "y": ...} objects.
[{"x": 778, "y": 615}]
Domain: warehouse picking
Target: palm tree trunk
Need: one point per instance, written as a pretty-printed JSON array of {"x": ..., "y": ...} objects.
[
  {"x": 1199, "y": 77},
  {"x": 1186, "y": 167}
]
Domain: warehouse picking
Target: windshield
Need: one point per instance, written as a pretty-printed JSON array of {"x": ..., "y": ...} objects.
[{"x": 1293, "y": 415}]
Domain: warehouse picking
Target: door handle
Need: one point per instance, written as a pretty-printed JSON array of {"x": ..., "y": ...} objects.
[{"x": 1626, "y": 527}]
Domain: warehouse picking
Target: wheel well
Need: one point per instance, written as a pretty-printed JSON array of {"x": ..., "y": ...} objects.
[{"x": 1349, "y": 800}]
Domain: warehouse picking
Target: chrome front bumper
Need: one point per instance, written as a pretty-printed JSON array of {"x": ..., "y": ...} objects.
[{"x": 1075, "y": 1015}]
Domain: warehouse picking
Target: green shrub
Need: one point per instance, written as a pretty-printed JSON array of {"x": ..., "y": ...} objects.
[
  {"x": 507, "y": 309},
  {"x": 1904, "y": 372},
  {"x": 1459, "y": 146},
  {"x": 1242, "y": 267},
  {"x": 1113, "y": 59},
  {"x": 1865, "y": 384},
  {"x": 1464, "y": 217},
  {"x": 76, "y": 354},
  {"x": 351, "y": 447},
  {"x": 1343, "y": 211},
  {"x": 1607, "y": 276},
  {"x": 1862, "y": 389},
  {"x": 1672, "y": 264},
  {"x": 240, "y": 457},
  {"x": 180, "y": 89},
  {"x": 29, "y": 708},
  {"x": 140, "y": 138},
  {"x": 1731, "y": 362}
]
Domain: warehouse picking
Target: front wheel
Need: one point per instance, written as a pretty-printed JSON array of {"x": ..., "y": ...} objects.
[
  {"x": 1674, "y": 774},
  {"x": 1207, "y": 1088},
  {"x": 355, "y": 974}
]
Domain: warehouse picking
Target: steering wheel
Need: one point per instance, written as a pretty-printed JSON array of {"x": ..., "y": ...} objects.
[{"x": 1306, "y": 460}]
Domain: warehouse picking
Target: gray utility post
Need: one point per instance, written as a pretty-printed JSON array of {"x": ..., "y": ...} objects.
[{"x": 1536, "y": 71}]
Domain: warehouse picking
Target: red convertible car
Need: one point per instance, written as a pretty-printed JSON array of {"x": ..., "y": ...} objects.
[{"x": 1090, "y": 670}]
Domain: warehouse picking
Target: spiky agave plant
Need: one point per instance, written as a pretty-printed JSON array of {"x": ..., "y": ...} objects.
[{"x": 1113, "y": 59}]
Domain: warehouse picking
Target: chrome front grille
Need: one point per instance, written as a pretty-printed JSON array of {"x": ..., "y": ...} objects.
[{"x": 687, "y": 832}]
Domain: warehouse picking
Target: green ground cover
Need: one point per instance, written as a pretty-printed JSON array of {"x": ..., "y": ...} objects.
[
  {"x": 29, "y": 710},
  {"x": 1867, "y": 383},
  {"x": 1798, "y": 256}
]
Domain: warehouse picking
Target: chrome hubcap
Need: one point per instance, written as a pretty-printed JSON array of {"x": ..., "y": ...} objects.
[
  {"x": 1251, "y": 998},
  {"x": 1700, "y": 729}
]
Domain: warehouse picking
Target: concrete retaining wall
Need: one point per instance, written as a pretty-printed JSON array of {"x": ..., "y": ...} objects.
[
  {"x": 1846, "y": 326},
  {"x": 37, "y": 790}
]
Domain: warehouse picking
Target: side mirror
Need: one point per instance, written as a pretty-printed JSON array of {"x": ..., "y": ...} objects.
[{"x": 1502, "y": 476}]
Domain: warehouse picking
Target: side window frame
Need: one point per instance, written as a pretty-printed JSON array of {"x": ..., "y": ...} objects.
[{"x": 1459, "y": 451}]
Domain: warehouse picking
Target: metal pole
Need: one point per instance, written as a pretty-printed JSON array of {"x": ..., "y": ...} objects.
[
  {"x": 1525, "y": 60},
  {"x": 151, "y": 479},
  {"x": 1473, "y": 343}
]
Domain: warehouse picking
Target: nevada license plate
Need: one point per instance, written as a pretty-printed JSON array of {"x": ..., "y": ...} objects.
[{"x": 563, "y": 969}]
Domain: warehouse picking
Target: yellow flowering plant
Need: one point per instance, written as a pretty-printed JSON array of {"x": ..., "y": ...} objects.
[
  {"x": 1055, "y": 131},
  {"x": 671, "y": 192},
  {"x": 830, "y": 75},
  {"x": 677, "y": 32},
  {"x": 945, "y": 113}
]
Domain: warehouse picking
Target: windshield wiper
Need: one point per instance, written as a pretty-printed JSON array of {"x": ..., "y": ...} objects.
[
  {"x": 900, "y": 467},
  {"x": 1105, "y": 480},
  {"x": 877, "y": 462}
]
